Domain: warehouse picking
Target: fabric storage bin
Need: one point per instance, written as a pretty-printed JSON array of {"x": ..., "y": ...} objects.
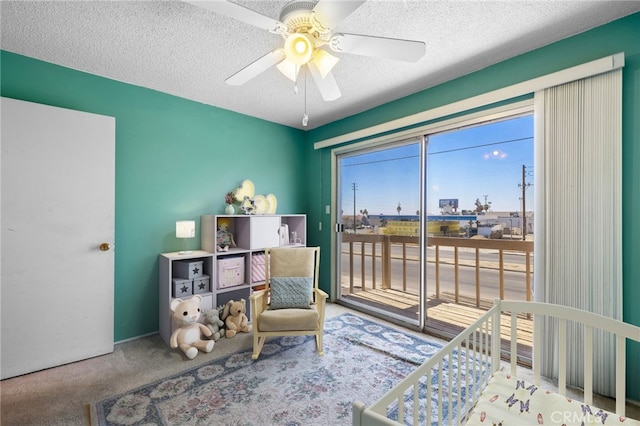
[
  {"x": 188, "y": 269},
  {"x": 230, "y": 271},
  {"x": 257, "y": 268},
  {"x": 201, "y": 285},
  {"x": 182, "y": 287},
  {"x": 207, "y": 303}
]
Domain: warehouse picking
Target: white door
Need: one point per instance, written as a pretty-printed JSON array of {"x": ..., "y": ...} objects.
[{"x": 58, "y": 197}]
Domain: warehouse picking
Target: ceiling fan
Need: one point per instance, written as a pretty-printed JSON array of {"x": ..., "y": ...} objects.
[{"x": 307, "y": 28}]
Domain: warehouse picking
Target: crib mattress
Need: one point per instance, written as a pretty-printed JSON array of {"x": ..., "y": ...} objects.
[{"x": 509, "y": 401}]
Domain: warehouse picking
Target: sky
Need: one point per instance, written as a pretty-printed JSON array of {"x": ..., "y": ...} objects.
[{"x": 464, "y": 164}]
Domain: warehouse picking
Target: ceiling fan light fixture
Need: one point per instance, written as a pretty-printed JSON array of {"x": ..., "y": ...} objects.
[
  {"x": 289, "y": 69},
  {"x": 324, "y": 61},
  {"x": 299, "y": 48}
]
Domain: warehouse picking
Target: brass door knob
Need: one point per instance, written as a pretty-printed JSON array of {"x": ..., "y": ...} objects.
[{"x": 104, "y": 247}]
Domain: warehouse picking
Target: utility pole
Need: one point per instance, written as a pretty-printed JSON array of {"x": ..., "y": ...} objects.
[
  {"x": 486, "y": 204},
  {"x": 524, "y": 185},
  {"x": 354, "y": 186}
]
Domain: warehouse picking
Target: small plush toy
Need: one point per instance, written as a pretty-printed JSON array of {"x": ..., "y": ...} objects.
[
  {"x": 224, "y": 238},
  {"x": 235, "y": 318},
  {"x": 187, "y": 337},
  {"x": 213, "y": 322},
  {"x": 248, "y": 206}
]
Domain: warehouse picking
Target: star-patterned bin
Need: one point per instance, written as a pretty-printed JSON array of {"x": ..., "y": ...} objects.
[
  {"x": 188, "y": 269},
  {"x": 201, "y": 285},
  {"x": 182, "y": 287}
]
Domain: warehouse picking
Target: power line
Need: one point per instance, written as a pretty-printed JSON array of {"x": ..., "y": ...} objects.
[
  {"x": 381, "y": 161},
  {"x": 480, "y": 146},
  {"x": 439, "y": 152}
]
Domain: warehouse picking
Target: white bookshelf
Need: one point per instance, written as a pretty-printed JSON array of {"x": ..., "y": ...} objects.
[{"x": 252, "y": 235}]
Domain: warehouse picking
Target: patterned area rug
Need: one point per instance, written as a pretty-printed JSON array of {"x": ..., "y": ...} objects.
[{"x": 288, "y": 385}]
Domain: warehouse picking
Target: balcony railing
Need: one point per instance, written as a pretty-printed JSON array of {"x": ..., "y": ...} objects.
[{"x": 375, "y": 261}]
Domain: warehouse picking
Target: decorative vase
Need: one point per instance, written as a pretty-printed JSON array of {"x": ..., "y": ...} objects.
[{"x": 229, "y": 209}]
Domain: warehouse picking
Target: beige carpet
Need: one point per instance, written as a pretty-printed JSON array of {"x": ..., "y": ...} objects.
[{"x": 61, "y": 395}]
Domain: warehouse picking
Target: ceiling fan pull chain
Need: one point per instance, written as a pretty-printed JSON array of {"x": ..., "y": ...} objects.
[{"x": 305, "y": 116}]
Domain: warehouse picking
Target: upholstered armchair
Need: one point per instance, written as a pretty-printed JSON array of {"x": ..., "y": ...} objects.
[{"x": 291, "y": 304}]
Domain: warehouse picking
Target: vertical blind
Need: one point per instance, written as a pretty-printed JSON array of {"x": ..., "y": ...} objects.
[{"x": 581, "y": 246}]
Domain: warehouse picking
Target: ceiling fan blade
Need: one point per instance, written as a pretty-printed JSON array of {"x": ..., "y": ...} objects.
[
  {"x": 255, "y": 68},
  {"x": 242, "y": 14},
  {"x": 329, "y": 13},
  {"x": 327, "y": 86},
  {"x": 379, "y": 47}
]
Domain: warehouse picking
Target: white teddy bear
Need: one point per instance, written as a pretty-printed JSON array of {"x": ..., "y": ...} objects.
[{"x": 188, "y": 336}]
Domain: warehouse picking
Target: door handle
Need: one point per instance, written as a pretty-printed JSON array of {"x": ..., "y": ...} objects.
[{"x": 104, "y": 247}]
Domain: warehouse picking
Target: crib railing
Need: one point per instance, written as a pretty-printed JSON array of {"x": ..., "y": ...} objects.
[
  {"x": 445, "y": 388},
  {"x": 449, "y": 383},
  {"x": 591, "y": 323}
]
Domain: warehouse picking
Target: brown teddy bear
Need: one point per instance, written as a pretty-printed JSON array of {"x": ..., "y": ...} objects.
[
  {"x": 235, "y": 318},
  {"x": 187, "y": 337}
]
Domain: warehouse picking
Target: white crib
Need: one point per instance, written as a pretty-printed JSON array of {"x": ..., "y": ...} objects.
[{"x": 463, "y": 381}]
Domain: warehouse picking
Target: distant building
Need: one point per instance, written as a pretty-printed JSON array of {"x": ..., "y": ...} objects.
[
  {"x": 510, "y": 221},
  {"x": 451, "y": 225}
]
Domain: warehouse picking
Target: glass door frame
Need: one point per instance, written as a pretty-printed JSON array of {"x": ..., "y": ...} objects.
[{"x": 337, "y": 231}]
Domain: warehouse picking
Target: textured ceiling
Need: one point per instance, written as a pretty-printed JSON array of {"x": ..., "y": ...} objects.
[{"x": 187, "y": 51}]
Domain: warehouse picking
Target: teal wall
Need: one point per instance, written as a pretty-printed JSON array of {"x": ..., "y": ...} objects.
[
  {"x": 619, "y": 36},
  {"x": 175, "y": 159}
]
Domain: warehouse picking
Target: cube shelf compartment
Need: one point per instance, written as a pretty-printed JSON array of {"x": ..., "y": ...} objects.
[
  {"x": 182, "y": 276},
  {"x": 252, "y": 235}
]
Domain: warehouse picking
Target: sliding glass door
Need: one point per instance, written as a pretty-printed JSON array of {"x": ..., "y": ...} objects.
[
  {"x": 379, "y": 223},
  {"x": 432, "y": 229},
  {"x": 479, "y": 220}
]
